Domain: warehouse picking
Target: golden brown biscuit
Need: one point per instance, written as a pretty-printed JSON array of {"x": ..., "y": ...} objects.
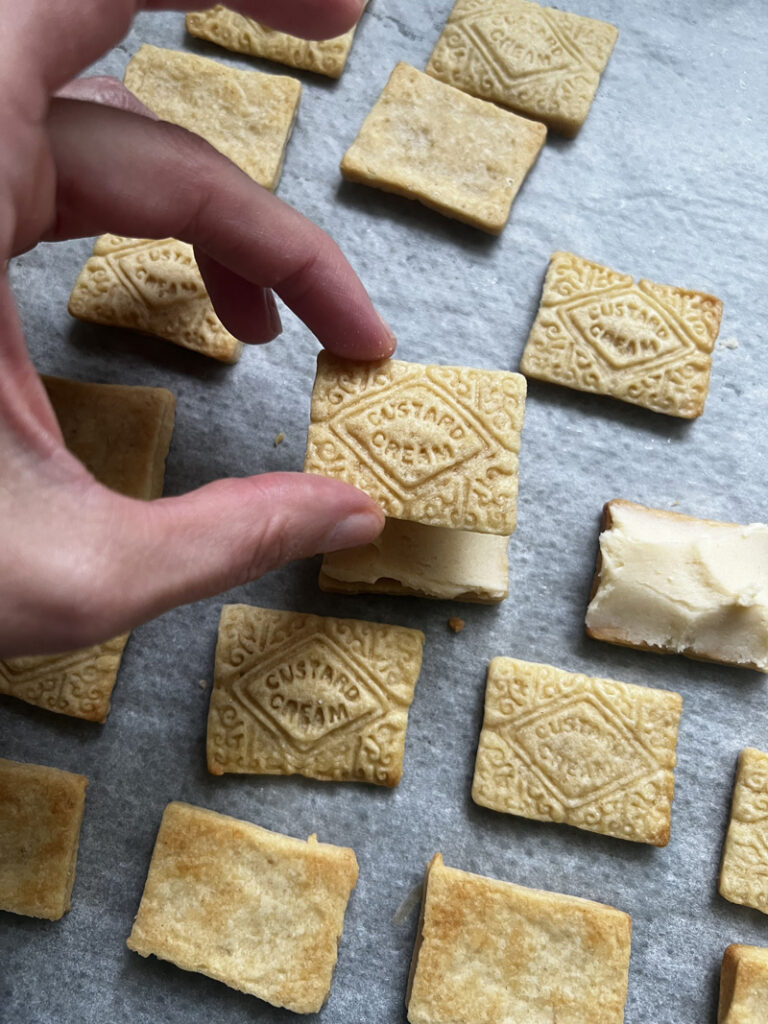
[
  {"x": 437, "y": 445},
  {"x": 300, "y": 694},
  {"x": 647, "y": 344},
  {"x": 425, "y": 561},
  {"x": 593, "y": 753},
  {"x": 458, "y": 155},
  {"x": 244, "y": 35},
  {"x": 674, "y": 584},
  {"x": 154, "y": 287},
  {"x": 489, "y": 951},
  {"x": 122, "y": 435},
  {"x": 41, "y": 810},
  {"x": 246, "y": 115},
  {"x": 259, "y": 911},
  {"x": 744, "y": 871},
  {"x": 540, "y": 61},
  {"x": 744, "y": 986}
]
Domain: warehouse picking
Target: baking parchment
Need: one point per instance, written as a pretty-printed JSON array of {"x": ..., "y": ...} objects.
[{"x": 667, "y": 181}]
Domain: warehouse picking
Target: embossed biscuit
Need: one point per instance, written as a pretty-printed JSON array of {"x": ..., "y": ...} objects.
[
  {"x": 122, "y": 435},
  {"x": 458, "y": 155},
  {"x": 644, "y": 343},
  {"x": 300, "y": 694},
  {"x": 489, "y": 951},
  {"x": 244, "y": 35},
  {"x": 593, "y": 753},
  {"x": 744, "y": 871},
  {"x": 540, "y": 61},
  {"x": 437, "y": 445},
  {"x": 257, "y": 910},
  {"x": 246, "y": 115},
  {"x": 41, "y": 810},
  {"x": 675, "y": 584},
  {"x": 154, "y": 287},
  {"x": 425, "y": 561},
  {"x": 744, "y": 986}
]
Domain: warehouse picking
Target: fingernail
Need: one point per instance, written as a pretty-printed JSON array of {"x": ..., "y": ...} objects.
[
  {"x": 273, "y": 317},
  {"x": 359, "y": 528},
  {"x": 390, "y": 334}
]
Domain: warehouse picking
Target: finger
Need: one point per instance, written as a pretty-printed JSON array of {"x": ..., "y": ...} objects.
[
  {"x": 246, "y": 310},
  {"x": 121, "y": 173},
  {"x": 106, "y": 90},
  {"x": 27, "y": 413},
  {"x": 127, "y": 561}
]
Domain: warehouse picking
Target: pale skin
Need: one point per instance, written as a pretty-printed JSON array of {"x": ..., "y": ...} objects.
[{"x": 78, "y": 563}]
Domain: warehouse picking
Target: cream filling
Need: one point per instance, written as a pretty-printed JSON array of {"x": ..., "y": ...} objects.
[
  {"x": 442, "y": 562},
  {"x": 684, "y": 584}
]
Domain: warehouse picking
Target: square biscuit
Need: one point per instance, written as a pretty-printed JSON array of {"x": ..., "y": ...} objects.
[
  {"x": 489, "y": 951},
  {"x": 674, "y": 584},
  {"x": 244, "y": 35},
  {"x": 246, "y": 115},
  {"x": 647, "y": 344},
  {"x": 436, "y": 445},
  {"x": 593, "y": 753},
  {"x": 321, "y": 697},
  {"x": 41, "y": 810},
  {"x": 540, "y": 61},
  {"x": 257, "y": 910},
  {"x": 744, "y": 871},
  {"x": 458, "y": 155},
  {"x": 122, "y": 435},
  {"x": 153, "y": 286},
  {"x": 422, "y": 561},
  {"x": 744, "y": 986}
]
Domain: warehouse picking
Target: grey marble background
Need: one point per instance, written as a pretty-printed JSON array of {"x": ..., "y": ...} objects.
[{"x": 666, "y": 180}]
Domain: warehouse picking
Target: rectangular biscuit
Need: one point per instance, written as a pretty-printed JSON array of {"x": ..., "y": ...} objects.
[
  {"x": 321, "y": 697},
  {"x": 246, "y": 115},
  {"x": 540, "y": 61},
  {"x": 489, "y": 951},
  {"x": 424, "y": 561},
  {"x": 41, "y": 810},
  {"x": 258, "y": 911},
  {"x": 744, "y": 986},
  {"x": 122, "y": 435},
  {"x": 600, "y": 331},
  {"x": 153, "y": 286},
  {"x": 744, "y": 871},
  {"x": 436, "y": 445},
  {"x": 461, "y": 156},
  {"x": 675, "y": 584},
  {"x": 593, "y": 753},
  {"x": 244, "y": 35}
]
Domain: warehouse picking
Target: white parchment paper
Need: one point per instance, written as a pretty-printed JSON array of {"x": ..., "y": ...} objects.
[{"x": 666, "y": 180}]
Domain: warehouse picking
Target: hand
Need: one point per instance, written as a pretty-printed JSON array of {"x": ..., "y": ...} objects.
[{"x": 79, "y": 563}]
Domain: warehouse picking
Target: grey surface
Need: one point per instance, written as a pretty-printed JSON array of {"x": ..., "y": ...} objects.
[{"x": 666, "y": 180}]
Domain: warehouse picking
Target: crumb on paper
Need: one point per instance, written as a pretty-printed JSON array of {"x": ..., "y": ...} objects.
[
  {"x": 728, "y": 343},
  {"x": 456, "y": 624},
  {"x": 203, "y": 684},
  {"x": 674, "y": 504},
  {"x": 279, "y": 438}
]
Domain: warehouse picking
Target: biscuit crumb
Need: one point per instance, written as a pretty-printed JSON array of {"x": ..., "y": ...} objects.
[
  {"x": 674, "y": 504},
  {"x": 456, "y": 624},
  {"x": 279, "y": 438},
  {"x": 728, "y": 343},
  {"x": 203, "y": 684}
]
